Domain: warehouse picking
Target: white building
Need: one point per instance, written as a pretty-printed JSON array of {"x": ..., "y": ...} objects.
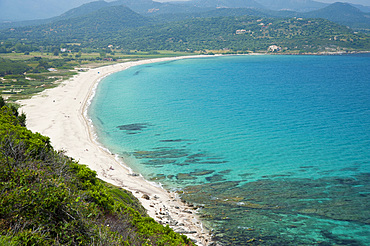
[{"x": 273, "y": 48}]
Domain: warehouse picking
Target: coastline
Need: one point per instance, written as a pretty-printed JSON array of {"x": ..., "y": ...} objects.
[{"x": 60, "y": 114}]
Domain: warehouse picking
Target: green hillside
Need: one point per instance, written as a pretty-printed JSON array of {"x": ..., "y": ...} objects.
[
  {"x": 344, "y": 14},
  {"x": 84, "y": 9},
  {"x": 296, "y": 5},
  {"x": 257, "y": 34},
  {"x": 227, "y": 3},
  {"x": 98, "y": 23},
  {"x": 124, "y": 29},
  {"x": 341, "y": 13},
  {"x": 47, "y": 198}
]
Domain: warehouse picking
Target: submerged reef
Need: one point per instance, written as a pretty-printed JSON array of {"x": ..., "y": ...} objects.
[{"x": 286, "y": 211}]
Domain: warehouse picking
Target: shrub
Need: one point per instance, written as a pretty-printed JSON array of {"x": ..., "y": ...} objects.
[{"x": 48, "y": 199}]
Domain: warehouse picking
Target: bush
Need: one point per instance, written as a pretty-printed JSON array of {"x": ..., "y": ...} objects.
[{"x": 48, "y": 199}]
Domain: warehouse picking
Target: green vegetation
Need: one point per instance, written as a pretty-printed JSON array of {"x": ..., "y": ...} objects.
[
  {"x": 118, "y": 29},
  {"x": 37, "y": 57},
  {"x": 8, "y": 67},
  {"x": 344, "y": 14},
  {"x": 219, "y": 33},
  {"x": 47, "y": 198},
  {"x": 22, "y": 77}
]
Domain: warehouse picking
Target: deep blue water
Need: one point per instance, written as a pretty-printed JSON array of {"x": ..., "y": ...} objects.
[{"x": 275, "y": 148}]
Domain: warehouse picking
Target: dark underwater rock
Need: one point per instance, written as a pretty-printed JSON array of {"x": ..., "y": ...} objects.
[
  {"x": 184, "y": 176},
  {"x": 202, "y": 172},
  {"x": 215, "y": 178},
  {"x": 133, "y": 128}
]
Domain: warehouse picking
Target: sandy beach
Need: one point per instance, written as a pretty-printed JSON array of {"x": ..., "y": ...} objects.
[{"x": 59, "y": 113}]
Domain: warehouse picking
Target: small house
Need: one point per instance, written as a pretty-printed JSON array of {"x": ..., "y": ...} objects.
[{"x": 274, "y": 48}]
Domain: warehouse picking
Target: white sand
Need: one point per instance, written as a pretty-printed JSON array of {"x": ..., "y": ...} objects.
[{"x": 59, "y": 114}]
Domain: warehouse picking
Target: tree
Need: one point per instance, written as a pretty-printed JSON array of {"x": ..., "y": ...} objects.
[{"x": 2, "y": 102}]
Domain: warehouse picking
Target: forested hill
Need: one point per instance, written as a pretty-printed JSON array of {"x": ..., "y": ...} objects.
[
  {"x": 121, "y": 28},
  {"x": 295, "y": 5},
  {"x": 227, "y": 4},
  {"x": 102, "y": 21},
  {"x": 96, "y": 25},
  {"x": 245, "y": 33},
  {"x": 83, "y": 10},
  {"x": 342, "y": 13}
]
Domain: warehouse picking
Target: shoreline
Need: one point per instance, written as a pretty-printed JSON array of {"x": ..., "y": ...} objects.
[{"x": 61, "y": 114}]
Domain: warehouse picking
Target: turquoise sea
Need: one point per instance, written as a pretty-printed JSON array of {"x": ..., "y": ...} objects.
[{"x": 274, "y": 149}]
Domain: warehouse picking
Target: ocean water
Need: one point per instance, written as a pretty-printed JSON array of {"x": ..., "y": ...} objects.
[{"x": 275, "y": 150}]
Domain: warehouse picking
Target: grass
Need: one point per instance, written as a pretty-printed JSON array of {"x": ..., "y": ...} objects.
[{"x": 24, "y": 86}]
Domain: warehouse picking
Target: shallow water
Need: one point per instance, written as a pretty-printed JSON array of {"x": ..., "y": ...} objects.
[{"x": 275, "y": 148}]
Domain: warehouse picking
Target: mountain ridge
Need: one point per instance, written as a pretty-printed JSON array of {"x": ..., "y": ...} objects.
[
  {"x": 226, "y": 3},
  {"x": 292, "y": 5},
  {"x": 342, "y": 13},
  {"x": 14, "y": 8},
  {"x": 102, "y": 20},
  {"x": 119, "y": 26}
]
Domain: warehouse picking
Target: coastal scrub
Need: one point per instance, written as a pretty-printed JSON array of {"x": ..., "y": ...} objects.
[{"x": 46, "y": 198}]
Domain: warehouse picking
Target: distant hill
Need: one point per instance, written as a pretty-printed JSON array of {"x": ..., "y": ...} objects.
[
  {"x": 363, "y": 8},
  {"x": 146, "y": 7},
  {"x": 342, "y": 13},
  {"x": 243, "y": 33},
  {"x": 84, "y": 9},
  {"x": 105, "y": 19},
  {"x": 139, "y": 6},
  {"x": 234, "y": 29},
  {"x": 97, "y": 23},
  {"x": 149, "y": 7},
  {"x": 72, "y": 13},
  {"x": 221, "y": 12},
  {"x": 20, "y": 10},
  {"x": 224, "y": 12},
  {"x": 292, "y": 5},
  {"x": 226, "y": 3}
]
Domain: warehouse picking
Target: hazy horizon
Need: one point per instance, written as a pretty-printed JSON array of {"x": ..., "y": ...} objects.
[
  {"x": 362, "y": 2},
  {"x": 18, "y": 10}
]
